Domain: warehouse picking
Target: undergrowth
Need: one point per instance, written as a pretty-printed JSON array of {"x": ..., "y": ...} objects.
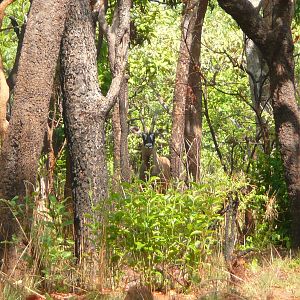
[{"x": 167, "y": 241}]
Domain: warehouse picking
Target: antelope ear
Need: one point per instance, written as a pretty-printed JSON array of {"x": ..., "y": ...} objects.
[{"x": 135, "y": 130}]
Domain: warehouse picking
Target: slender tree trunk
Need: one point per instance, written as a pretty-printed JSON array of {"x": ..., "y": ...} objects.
[
  {"x": 274, "y": 39},
  {"x": 120, "y": 131},
  {"x": 24, "y": 140},
  {"x": 124, "y": 153},
  {"x": 116, "y": 125},
  {"x": 193, "y": 106},
  {"x": 179, "y": 100}
]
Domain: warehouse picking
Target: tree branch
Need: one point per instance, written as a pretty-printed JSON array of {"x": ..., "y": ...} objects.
[{"x": 251, "y": 22}]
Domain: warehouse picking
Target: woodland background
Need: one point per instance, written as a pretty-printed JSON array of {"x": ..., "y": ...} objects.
[{"x": 81, "y": 81}]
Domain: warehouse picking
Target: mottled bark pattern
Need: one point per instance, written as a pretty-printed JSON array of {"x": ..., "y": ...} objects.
[
  {"x": 24, "y": 140},
  {"x": 274, "y": 40},
  {"x": 84, "y": 109}
]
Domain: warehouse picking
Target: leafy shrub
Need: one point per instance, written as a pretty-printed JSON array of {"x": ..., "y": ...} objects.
[
  {"x": 150, "y": 231},
  {"x": 268, "y": 175}
]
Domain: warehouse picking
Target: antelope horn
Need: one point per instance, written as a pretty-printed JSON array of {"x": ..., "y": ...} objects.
[{"x": 154, "y": 118}]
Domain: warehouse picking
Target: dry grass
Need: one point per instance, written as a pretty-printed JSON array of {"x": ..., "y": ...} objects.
[
  {"x": 265, "y": 276},
  {"x": 273, "y": 278}
]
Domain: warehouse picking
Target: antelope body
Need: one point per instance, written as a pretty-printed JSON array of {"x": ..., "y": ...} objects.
[{"x": 152, "y": 163}]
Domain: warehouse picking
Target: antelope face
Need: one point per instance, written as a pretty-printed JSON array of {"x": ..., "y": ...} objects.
[{"x": 148, "y": 140}]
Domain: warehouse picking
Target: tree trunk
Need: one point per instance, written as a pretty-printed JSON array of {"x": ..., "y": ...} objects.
[
  {"x": 84, "y": 121},
  {"x": 124, "y": 153},
  {"x": 24, "y": 140},
  {"x": 259, "y": 81},
  {"x": 274, "y": 39},
  {"x": 120, "y": 135},
  {"x": 85, "y": 110},
  {"x": 116, "y": 126},
  {"x": 193, "y": 106},
  {"x": 179, "y": 100},
  {"x": 186, "y": 116}
]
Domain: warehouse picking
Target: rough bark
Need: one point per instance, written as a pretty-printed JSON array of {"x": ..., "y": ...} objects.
[
  {"x": 186, "y": 115},
  {"x": 274, "y": 39},
  {"x": 193, "y": 106},
  {"x": 84, "y": 121},
  {"x": 4, "y": 97},
  {"x": 85, "y": 110},
  {"x": 24, "y": 140}
]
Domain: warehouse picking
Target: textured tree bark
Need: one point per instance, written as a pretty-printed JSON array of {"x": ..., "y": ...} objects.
[
  {"x": 84, "y": 120},
  {"x": 274, "y": 39},
  {"x": 85, "y": 110},
  {"x": 193, "y": 106},
  {"x": 24, "y": 140},
  {"x": 186, "y": 115}
]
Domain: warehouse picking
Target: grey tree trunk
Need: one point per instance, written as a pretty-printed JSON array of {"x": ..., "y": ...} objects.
[
  {"x": 85, "y": 111},
  {"x": 24, "y": 140},
  {"x": 259, "y": 81},
  {"x": 84, "y": 120},
  {"x": 274, "y": 39}
]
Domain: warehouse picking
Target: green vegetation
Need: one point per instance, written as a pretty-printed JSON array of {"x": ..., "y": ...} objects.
[{"x": 173, "y": 240}]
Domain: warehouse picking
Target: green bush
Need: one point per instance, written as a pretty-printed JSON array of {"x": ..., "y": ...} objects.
[{"x": 149, "y": 231}]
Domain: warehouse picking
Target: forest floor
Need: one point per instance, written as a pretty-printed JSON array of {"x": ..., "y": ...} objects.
[{"x": 268, "y": 276}]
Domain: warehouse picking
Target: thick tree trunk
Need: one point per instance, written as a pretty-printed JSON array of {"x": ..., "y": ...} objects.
[
  {"x": 186, "y": 116},
  {"x": 85, "y": 110},
  {"x": 84, "y": 120},
  {"x": 193, "y": 106},
  {"x": 24, "y": 140},
  {"x": 287, "y": 126},
  {"x": 274, "y": 40}
]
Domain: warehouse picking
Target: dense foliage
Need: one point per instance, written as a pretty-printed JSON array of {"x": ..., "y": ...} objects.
[{"x": 156, "y": 234}]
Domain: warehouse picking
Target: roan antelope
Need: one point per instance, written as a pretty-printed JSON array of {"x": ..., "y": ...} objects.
[{"x": 152, "y": 163}]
